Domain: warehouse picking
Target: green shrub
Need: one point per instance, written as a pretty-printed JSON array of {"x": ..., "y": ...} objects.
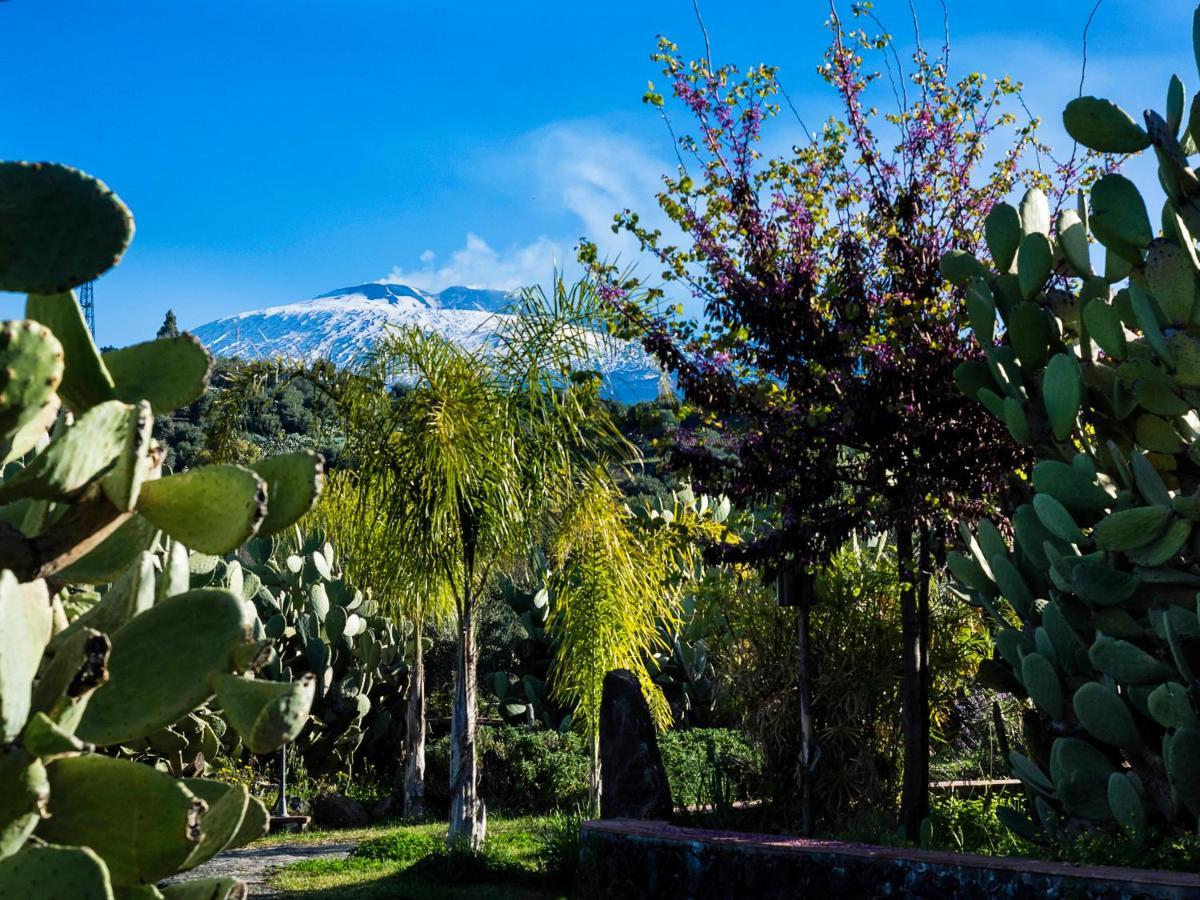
[
  {"x": 523, "y": 770},
  {"x": 532, "y": 771},
  {"x": 710, "y": 766}
]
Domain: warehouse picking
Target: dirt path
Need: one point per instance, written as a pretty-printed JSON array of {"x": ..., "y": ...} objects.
[{"x": 251, "y": 864}]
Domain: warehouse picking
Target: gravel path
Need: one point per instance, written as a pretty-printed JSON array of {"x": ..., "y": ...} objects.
[{"x": 251, "y": 864}]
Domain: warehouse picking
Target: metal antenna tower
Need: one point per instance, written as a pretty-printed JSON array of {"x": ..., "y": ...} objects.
[{"x": 87, "y": 303}]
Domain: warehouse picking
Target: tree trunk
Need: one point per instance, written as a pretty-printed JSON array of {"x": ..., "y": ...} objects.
[
  {"x": 808, "y": 761},
  {"x": 594, "y": 783},
  {"x": 914, "y": 799},
  {"x": 468, "y": 816},
  {"x": 414, "y": 769}
]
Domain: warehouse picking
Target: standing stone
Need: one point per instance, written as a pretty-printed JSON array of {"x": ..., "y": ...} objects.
[{"x": 632, "y": 777}]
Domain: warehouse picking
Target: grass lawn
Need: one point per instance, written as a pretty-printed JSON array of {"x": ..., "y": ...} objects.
[{"x": 409, "y": 861}]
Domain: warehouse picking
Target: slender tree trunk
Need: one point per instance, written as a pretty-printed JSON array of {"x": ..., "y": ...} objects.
[
  {"x": 914, "y": 800},
  {"x": 414, "y": 769},
  {"x": 808, "y": 759},
  {"x": 923, "y": 585},
  {"x": 468, "y": 816},
  {"x": 594, "y": 783}
]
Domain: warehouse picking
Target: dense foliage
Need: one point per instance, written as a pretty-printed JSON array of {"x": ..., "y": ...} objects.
[{"x": 1094, "y": 603}]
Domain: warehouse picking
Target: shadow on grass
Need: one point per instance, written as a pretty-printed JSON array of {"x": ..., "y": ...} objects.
[{"x": 434, "y": 877}]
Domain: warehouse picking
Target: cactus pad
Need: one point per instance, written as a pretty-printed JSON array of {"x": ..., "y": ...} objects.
[
  {"x": 59, "y": 227},
  {"x": 146, "y": 692},
  {"x": 214, "y": 509}
]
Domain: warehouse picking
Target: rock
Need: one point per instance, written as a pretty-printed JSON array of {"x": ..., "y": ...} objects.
[
  {"x": 632, "y": 776},
  {"x": 390, "y": 807},
  {"x": 336, "y": 811}
]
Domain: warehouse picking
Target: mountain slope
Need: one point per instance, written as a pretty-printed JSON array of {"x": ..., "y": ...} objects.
[{"x": 342, "y": 325}]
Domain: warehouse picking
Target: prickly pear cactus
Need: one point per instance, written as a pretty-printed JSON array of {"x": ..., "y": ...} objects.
[
  {"x": 106, "y": 645},
  {"x": 317, "y": 622},
  {"x": 1092, "y": 359}
]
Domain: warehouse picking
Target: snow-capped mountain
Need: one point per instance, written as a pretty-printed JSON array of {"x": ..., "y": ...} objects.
[{"x": 342, "y": 326}]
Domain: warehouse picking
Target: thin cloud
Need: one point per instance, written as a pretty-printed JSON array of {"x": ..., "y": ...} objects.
[{"x": 585, "y": 173}]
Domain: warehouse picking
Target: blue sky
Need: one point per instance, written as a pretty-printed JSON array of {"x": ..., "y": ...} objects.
[{"x": 272, "y": 150}]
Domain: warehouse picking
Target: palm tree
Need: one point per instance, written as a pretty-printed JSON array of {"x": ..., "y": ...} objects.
[
  {"x": 358, "y": 513},
  {"x": 484, "y": 447},
  {"x": 615, "y": 584}
]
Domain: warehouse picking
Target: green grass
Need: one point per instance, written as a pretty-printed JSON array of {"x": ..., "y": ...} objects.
[{"x": 516, "y": 865}]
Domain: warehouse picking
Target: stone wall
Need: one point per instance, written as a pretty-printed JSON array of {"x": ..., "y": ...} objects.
[{"x": 627, "y": 859}]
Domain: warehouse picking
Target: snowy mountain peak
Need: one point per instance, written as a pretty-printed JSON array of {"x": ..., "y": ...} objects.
[
  {"x": 456, "y": 297},
  {"x": 343, "y": 324}
]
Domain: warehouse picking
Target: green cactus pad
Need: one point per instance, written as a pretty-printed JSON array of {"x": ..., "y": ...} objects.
[
  {"x": 970, "y": 573},
  {"x": 31, "y": 368},
  {"x": 1126, "y": 663},
  {"x": 1158, "y": 396},
  {"x": 1034, "y": 262},
  {"x": 55, "y": 873},
  {"x": 1062, "y": 391},
  {"x": 1171, "y": 278},
  {"x": 1175, "y": 99},
  {"x": 1118, "y": 217},
  {"x": 85, "y": 380},
  {"x": 113, "y": 555},
  {"x": 265, "y": 714},
  {"x": 1080, "y": 774},
  {"x": 214, "y": 509},
  {"x": 255, "y": 822},
  {"x": 23, "y": 800},
  {"x": 1146, "y": 312},
  {"x": 1002, "y": 231},
  {"x": 129, "y": 595},
  {"x": 1126, "y": 805},
  {"x": 1102, "y": 585},
  {"x": 1105, "y": 716},
  {"x": 1071, "y": 652},
  {"x": 59, "y": 227},
  {"x": 1074, "y": 489},
  {"x": 959, "y": 267},
  {"x": 44, "y": 737},
  {"x": 220, "y": 822},
  {"x": 294, "y": 482},
  {"x": 123, "y": 484},
  {"x": 153, "y": 835},
  {"x": 1031, "y": 535},
  {"x": 1164, "y": 547},
  {"x": 67, "y": 679},
  {"x": 1029, "y": 334},
  {"x": 1129, "y": 529},
  {"x": 1102, "y": 125},
  {"x": 1043, "y": 685},
  {"x": 169, "y": 373},
  {"x": 1185, "y": 351},
  {"x": 75, "y": 458},
  {"x": 1057, "y": 520},
  {"x": 1017, "y": 421},
  {"x": 1029, "y": 773},
  {"x": 25, "y": 611},
  {"x": 973, "y": 375},
  {"x": 1012, "y": 585},
  {"x": 1105, "y": 328},
  {"x": 1073, "y": 241},
  {"x": 147, "y": 691},
  {"x": 1169, "y": 706},
  {"x": 1035, "y": 213},
  {"x": 1183, "y": 766}
]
